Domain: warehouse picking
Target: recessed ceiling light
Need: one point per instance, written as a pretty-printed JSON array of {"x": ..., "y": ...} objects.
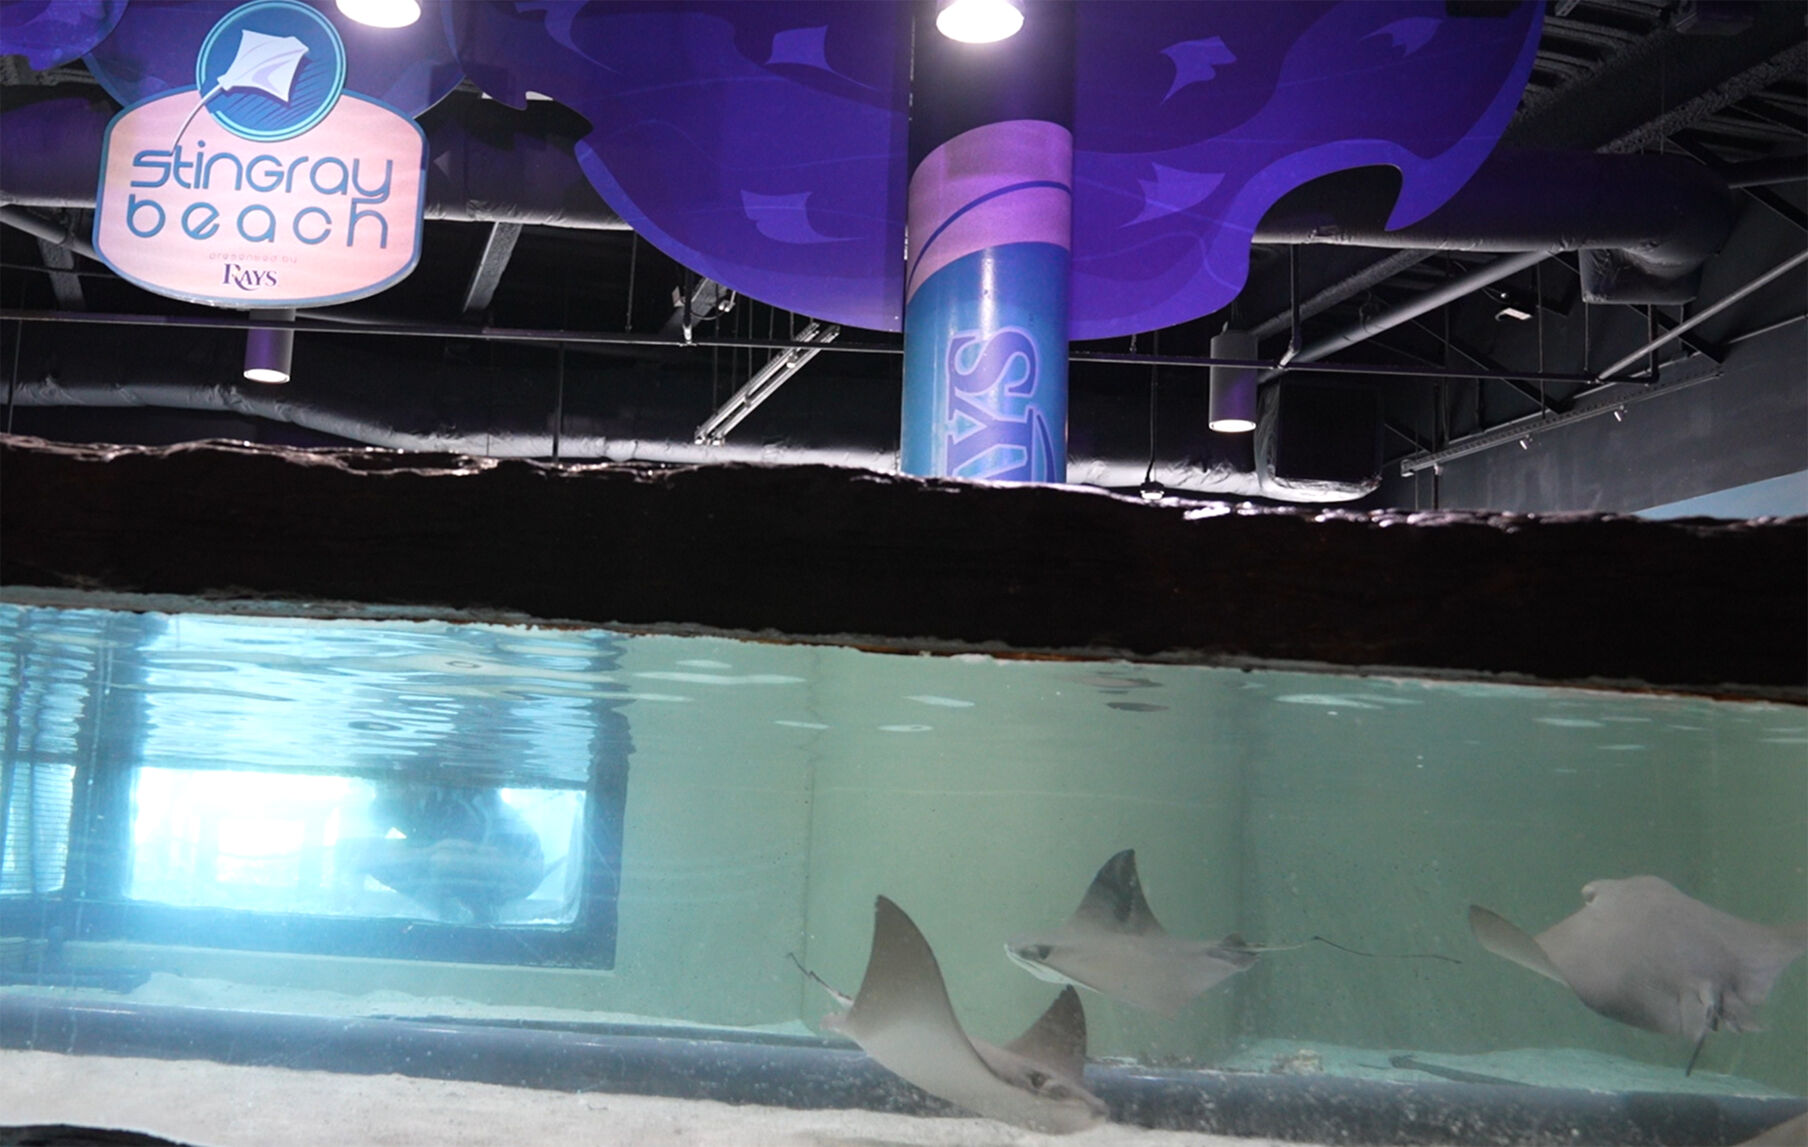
[
  {"x": 979, "y": 21},
  {"x": 382, "y": 13}
]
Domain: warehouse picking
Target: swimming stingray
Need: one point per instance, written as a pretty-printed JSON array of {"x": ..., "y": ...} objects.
[
  {"x": 1114, "y": 945},
  {"x": 903, "y": 1019},
  {"x": 1643, "y": 953}
]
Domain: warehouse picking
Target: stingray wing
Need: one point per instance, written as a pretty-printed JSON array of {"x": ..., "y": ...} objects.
[
  {"x": 1057, "y": 1041},
  {"x": 1049, "y": 1062},
  {"x": 1114, "y": 902},
  {"x": 1757, "y": 955},
  {"x": 1508, "y": 940},
  {"x": 903, "y": 989},
  {"x": 902, "y": 1017},
  {"x": 1721, "y": 966}
]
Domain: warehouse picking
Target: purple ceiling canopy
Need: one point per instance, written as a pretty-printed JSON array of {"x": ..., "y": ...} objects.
[
  {"x": 50, "y": 33},
  {"x": 1191, "y": 120},
  {"x": 763, "y": 144}
]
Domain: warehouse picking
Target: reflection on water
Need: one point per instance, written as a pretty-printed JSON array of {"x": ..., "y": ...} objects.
[{"x": 572, "y": 825}]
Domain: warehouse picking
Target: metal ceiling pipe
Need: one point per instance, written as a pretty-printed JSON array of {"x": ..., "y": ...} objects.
[
  {"x": 1429, "y": 301},
  {"x": 486, "y": 162},
  {"x": 41, "y": 228},
  {"x": 1184, "y": 476},
  {"x": 1363, "y": 279},
  {"x": 1647, "y": 223},
  {"x": 1765, "y": 172},
  {"x": 1707, "y": 313}
]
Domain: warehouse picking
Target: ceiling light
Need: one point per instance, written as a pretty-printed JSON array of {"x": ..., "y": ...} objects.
[
  {"x": 1233, "y": 398},
  {"x": 977, "y": 21},
  {"x": 1512, "y": 312},
  {"x": 268, "y": 352},
  {"x": 382, "y": 13}
]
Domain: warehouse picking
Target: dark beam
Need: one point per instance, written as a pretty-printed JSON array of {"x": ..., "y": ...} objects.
[
  {"x": 66, "y": 287},
  {"x": 1694, "y": 345},
  {"x": 1488, "y": 364},
  {"x": 1778, "y": 205},
  {"x": 487, "y": 275},
  {"x": 1418, "y": 444}
]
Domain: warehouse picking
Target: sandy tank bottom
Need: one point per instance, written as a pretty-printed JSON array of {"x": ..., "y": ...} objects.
[{"x": 218, "y": 1105}]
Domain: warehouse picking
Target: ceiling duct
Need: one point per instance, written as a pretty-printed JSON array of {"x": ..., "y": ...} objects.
[
  {"x": 608, "y": 412},
  {"x": 425, "y": 430},
  {"x": 1645, "y": 224}
]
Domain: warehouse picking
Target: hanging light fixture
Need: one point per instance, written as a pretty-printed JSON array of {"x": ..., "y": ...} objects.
[
  {"x": 382, "y": 13},
  {"x": 1233, "y": 398},
  {"x": 977, "y": 21},
  {"x": 268, "y": 352}
]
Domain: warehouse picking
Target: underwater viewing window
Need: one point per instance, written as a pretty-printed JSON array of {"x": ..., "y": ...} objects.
[
  {"x": 371, "y": 855},
  {"x": 309, "y": 787},
  {"x": 330, "y": 845}
]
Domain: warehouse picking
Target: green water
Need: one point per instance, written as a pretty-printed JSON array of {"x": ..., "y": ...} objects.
[{"x": 766, "y": 793}]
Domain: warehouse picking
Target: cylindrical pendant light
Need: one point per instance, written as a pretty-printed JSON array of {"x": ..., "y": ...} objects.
[
  {"x": 1233, "y": 399},
  {"x": 268, "y": 352}
]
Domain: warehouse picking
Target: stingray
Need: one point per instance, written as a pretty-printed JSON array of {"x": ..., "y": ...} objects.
[
  {"x": 1114, "y": 945},
  {"x": 1642, "y": 952},
  {"x": 903, "y": 1019}
]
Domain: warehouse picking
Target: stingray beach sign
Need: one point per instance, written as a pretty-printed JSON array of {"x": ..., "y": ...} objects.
[{"x": 267, "y": 184}]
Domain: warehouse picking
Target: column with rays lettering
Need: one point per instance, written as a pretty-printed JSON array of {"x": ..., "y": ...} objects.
[{"x": 989, "y": 239}]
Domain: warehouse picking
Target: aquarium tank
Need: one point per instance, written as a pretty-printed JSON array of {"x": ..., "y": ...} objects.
[{"x": 658, "y": 868}]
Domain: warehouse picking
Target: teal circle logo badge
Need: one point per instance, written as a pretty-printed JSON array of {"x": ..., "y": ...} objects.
[{"x": 271, "y": 70}]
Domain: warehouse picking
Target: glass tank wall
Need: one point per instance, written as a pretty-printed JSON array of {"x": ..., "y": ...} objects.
[{"x": 578, "y": 827}]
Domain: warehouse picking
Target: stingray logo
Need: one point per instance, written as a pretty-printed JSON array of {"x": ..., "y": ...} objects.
[
  {"x": 290, "y": 189},
  {"x": 270, "y": 70}
]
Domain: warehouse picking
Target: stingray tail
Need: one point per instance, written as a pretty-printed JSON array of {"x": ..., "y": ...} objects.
[
  {"x": 841, "y": 998},
  {"x": 1696, "y": 1054},
  {"x": 1315, "y": 939},
  {"x": 1710, "y": 1022}
]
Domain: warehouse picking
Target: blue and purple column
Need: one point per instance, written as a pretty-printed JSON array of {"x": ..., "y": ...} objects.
[{"x": 989, "y": 235}]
